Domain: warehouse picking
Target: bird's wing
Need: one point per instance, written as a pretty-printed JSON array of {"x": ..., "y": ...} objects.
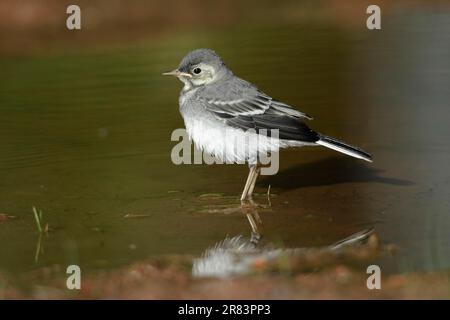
[
  {"x": 251, "y": 104},
  {"x": 283, "y": 108},
  {"x": 253, "y": 109},
  {"x": 289, "y": 128}
]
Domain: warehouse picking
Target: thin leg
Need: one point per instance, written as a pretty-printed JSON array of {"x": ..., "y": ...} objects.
[
  {"x": 248, "y": 182},
  {"x": 253, "y": 182},
  {"x": 254, "y": 221}
]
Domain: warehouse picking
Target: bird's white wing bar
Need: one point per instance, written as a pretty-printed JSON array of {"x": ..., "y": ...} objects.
[
  {"x": 238, "y": 107},
  {"x": 253, "y": 107}
]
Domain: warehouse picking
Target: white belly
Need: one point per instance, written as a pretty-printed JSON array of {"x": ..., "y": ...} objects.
[{"x": 228, "y": 144}]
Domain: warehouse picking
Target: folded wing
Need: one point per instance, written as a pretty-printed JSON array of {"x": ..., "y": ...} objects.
[{"x": 254, "y": 109}]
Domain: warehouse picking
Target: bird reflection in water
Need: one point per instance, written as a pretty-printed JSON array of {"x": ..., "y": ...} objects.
[{"x": 241, "y": 255}]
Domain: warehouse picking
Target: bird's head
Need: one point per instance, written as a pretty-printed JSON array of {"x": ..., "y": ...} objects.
[{"x": 200, "y": 67}]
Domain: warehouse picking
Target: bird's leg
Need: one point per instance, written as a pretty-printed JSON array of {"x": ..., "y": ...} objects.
[
  {"x": 248, "y": 183},
  {"x": 250, "y": 207},
  {"x": 255, "y": 221},
  {"x": 253, "y": 182}
]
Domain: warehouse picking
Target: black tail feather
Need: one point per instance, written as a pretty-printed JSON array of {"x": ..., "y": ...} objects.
[{"x": 343, "y": 147}]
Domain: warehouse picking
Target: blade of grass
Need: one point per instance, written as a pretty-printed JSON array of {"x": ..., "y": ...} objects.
[{"x": 37, "y": 217}]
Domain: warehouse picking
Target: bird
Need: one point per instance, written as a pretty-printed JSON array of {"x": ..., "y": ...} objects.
[{"x": 221, "y": 110}]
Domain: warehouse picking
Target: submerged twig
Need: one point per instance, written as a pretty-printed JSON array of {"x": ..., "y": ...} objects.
[{"x": 132, "y": 215}]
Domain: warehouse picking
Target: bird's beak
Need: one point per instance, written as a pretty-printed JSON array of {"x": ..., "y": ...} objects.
[{"x": 177, "y": 73}]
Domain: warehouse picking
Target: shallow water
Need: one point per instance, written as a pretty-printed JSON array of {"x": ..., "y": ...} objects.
[{"x": 85, "y": 136}]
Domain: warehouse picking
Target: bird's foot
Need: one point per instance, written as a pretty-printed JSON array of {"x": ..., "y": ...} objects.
[{"x": 255, "y": 238}]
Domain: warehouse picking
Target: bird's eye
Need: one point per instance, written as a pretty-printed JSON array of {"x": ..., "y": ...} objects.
[{"x": 197, "y": 70}]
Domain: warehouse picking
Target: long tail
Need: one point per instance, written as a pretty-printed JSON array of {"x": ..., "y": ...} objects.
[{"x": 344, "y": 148}]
